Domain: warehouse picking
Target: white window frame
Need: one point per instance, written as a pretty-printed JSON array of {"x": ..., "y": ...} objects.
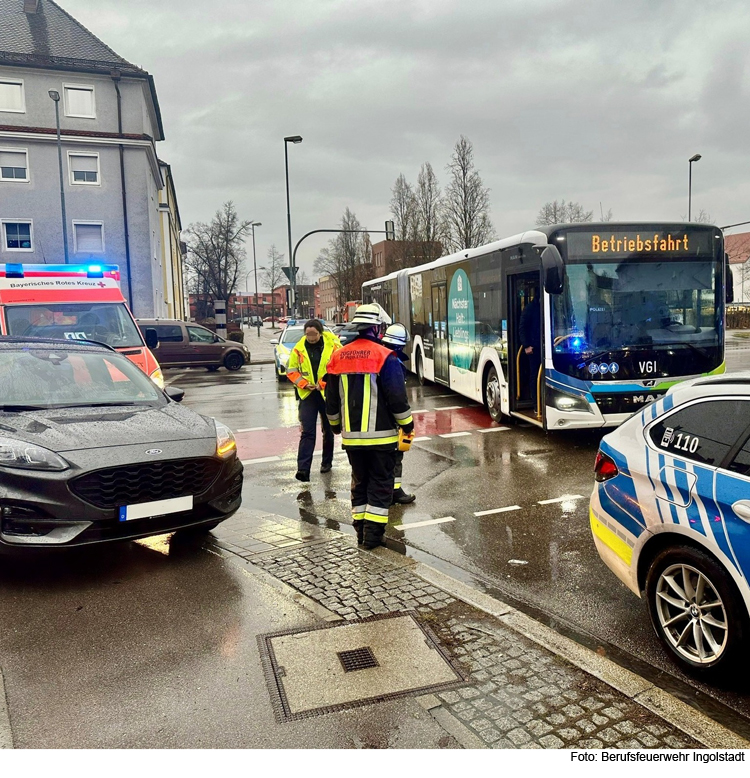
[
  {"x": 95, "y": 154},
  {"x": 4, "y": 236},
  {"x": 28, "y": 171},
  {"x": 75, "y": 236},
  {"x": 19, "y": 82},
  {"x": 90, "y": 87}
]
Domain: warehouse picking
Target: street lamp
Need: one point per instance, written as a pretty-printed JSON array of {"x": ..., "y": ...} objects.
[
  {"x": 55, "y": 96},
  {"x": 692, "y": 159},
  {"x": 293, "y": 279},
  {"x": 255, "y": 269}
]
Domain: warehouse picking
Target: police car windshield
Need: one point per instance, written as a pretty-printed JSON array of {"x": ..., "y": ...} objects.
[
  {"x": 292, "y": 335},
  {"x": 108, "y": 323}
]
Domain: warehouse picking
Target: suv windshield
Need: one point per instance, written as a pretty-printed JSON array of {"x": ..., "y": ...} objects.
[
  {"x": 54, "y": 378},
  {"x": 108, "y": 323}
]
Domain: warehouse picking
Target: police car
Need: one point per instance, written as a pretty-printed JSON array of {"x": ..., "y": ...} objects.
[{"x": 670, "y": 516}]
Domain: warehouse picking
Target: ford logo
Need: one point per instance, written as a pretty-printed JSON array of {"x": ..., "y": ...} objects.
[{"x": 154, "y": 451}]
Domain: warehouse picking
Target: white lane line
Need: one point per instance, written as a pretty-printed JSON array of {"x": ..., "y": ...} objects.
[
  {"x": 258, "y": 461},
  {"x": 451, "y": 408},
  {"x": 414, "y": 524},
  {"x": 252, "y": 429},
  {"x": 494, "y": 429},
  {"x": 561, "y": 499},
  {"x": 175, "y": 378},
  {"x": 421, "y": 410},
  {"x": 416, "y": 440},
  {"x": 498, "y": 510},
  {"x": 454, "y": 434}
]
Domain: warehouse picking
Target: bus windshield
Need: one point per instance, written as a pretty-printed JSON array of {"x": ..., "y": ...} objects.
[
  {"x": 651, "y": 305},
  {"x": 108, "y": 323}
]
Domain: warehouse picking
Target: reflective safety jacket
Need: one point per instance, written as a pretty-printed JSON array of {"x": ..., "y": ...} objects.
[
  {"x": 366, "y": 396},
  {"x": 299, "y": 370}
]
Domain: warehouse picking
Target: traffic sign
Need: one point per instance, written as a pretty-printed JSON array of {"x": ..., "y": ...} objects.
[{"x": 288, "y": 272}]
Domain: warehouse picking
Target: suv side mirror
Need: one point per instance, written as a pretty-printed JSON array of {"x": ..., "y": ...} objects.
[
  {"x": 174, "y": 394},
  {"x": 151, "y": 337},
  {"x": 274, "y": 342},
  {"x": 217, "y": 339},
  {"x": 554, "y": 270}
]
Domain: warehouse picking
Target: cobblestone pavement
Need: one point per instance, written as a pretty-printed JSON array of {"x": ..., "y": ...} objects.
[{"x": 519, "y": 695}]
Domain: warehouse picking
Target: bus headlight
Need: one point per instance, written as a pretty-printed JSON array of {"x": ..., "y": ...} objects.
[
  {"x": 158, "y": 377},
  {"x": 567, "y": 402}
]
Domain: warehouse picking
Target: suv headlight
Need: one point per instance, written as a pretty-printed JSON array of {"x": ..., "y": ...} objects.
[
  {"x": 225, "y": 442},
  {"x": 158, "y": 377},
  {"x": 16, "y": 453},
  {"x": 567, "y": 402}
]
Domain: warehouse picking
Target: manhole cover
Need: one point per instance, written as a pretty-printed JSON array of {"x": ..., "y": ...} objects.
[{"x": 311, "y": 672}]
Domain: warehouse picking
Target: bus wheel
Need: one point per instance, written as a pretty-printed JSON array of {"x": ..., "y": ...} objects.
[
  {"x": 492, "y": 395},
  {"x": 420, "y": 369}
]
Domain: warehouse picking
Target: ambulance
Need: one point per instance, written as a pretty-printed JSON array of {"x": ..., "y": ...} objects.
[{"x": 74, "y": 302}]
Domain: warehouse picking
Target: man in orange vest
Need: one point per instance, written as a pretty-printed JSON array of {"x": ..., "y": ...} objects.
[{"x": 366, "y": 404}]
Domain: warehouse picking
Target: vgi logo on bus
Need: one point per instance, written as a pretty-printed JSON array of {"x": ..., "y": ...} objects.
[{"x": 461, "y": 321}]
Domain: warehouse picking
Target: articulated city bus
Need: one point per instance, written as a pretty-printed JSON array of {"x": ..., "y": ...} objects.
[
  {"x": 625, "y": 311},
  {"x": 73, "y": 301}
]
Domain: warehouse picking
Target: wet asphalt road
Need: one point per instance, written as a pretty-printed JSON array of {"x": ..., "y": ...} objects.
[{"x": 537, "y": 553}]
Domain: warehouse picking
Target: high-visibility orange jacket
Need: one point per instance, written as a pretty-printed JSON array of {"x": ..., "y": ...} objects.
[{"x": 299, "y": 370}]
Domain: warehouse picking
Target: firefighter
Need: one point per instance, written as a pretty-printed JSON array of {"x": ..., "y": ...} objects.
[
  {"x": 367, "y": 405},
  {"x": 395, "y": 338},
  {"x": 306, "y": 369}
]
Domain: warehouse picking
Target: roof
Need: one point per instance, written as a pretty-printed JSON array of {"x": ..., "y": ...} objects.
[
  {"x": 13, "y": 343},
  {"x": 51, "y": 33},
  {"x": 738, "y": 247}
]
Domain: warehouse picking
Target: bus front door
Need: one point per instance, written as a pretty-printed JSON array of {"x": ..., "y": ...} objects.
[
  {"x": 440, "y": 333},
  {"x": 524, "y": 366}
]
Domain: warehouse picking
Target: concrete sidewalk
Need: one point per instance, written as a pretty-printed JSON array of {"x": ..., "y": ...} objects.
[{"x": 526, "y": 685}]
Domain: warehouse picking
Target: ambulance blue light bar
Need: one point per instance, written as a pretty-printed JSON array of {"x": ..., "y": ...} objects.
[{"x": 15, "y": 270}]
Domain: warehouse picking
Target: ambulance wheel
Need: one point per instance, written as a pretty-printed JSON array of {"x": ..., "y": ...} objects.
[
  {"x": 696, "y": 610},
  {"x": 492, "y": 395},
  {"x": 233, "y": 361}
]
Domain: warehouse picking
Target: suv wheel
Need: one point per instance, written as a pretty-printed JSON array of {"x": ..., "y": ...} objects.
[{"x": 233, "y": 360}]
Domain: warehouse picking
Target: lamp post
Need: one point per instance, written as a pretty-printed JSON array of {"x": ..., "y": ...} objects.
[
  {"x": 255, "y": 270},
  {"x": 55, "y": 96},
  {"x": 293, "y": 275},
  {"x": 692, "y": 159}
]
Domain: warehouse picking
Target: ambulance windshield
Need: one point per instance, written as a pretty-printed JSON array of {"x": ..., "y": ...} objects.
[{"x": 108, "y": 323}]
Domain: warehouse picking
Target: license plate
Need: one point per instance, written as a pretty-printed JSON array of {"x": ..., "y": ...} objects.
[{"x": 145, "y": 510}]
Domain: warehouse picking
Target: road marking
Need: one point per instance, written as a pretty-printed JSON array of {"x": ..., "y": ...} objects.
[
  {"x": 258, "y": 461},
  {"x": 494, "y": 429},
  {"x": 421, "y": 410},
  {"x": 252, "y": 429},
  {"x": 451, "y": 408},
  {"x": 498, "y": 510},
  {"x": 561, "y": 499},
  {"x": 416, "y": 440},
  {"x": 414, "y": 524},
  {"x": 454, "y": 434},
  {"x": 175, "y": 378}
]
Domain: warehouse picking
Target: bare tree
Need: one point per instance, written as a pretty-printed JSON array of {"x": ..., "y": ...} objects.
[
  {"x": 429, "y": 203},
  {"x": 272, "y": 277},
  {"x": 406, "y": 224},
  {"x": 467, "y": 201},
  {"x": 703, "y": 217},
  {"x": 563, "y": 213},
  {"x": 302, "y": 279},
  {"x": 216, "y": 253}
]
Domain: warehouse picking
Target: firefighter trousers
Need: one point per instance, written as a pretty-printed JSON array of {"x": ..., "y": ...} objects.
[{"x": 372, "y": 484}]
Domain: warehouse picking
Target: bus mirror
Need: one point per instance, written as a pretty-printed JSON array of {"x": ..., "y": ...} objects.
[
  {"x": 554, "y": 271},
  {"x": 152, "y": 337},
  {"x": 729, "y": 281}
]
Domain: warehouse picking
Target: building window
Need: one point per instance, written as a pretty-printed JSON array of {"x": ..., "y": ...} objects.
[
  {"x": 14, "y": 165},
  {"x": 79, "y": 101},
  {"x": 84, "y": 168},
  {"x": 17, "y": 236},
  {"x": 88, "y": 237},
  {"x": 11, "y": 96}
]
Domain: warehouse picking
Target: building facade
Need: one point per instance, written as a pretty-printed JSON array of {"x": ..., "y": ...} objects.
[
  {"x": 738, "y": 248},
  {"x": 113, "y": 182}
]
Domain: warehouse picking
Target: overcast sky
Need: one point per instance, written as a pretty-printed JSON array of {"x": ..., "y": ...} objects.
[{"x": 598, "y": 101}]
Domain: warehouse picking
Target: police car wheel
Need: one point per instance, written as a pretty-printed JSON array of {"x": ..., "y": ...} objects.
[
  {"x": 492, "y": 395},
  {"x": 281, "y": 377},
  {"x": 695, "y": 610}
]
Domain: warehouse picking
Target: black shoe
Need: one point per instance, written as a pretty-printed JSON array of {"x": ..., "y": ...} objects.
[
  {"x": 400, "y": 497},
  {"x": 359, "y": 527},
  {"x": 326, "y": 468},
  {"x": 374, "y": 533},
  {"x": 303, "y": 475}
]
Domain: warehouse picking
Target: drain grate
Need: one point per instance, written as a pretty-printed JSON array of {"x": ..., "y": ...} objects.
[{"x": 358, "y": 659}]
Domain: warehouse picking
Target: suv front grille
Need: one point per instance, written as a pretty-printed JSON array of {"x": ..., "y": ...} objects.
[{"x": 145, "y": 482}]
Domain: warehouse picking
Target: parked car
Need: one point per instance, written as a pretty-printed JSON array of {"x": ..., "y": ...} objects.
[
  {"x": 184, "y": 344},
  {"x": 91, "y": 450},
  {"x": 670, "y": 516},
  {"x": 347, "y": 333}
]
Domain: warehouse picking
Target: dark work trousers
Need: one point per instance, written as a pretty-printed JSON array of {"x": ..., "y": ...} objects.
[
  {"x": 398, "y": 469},
  {"x": 372, "y": 483},
  {"x": 312, "y": 407}
]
